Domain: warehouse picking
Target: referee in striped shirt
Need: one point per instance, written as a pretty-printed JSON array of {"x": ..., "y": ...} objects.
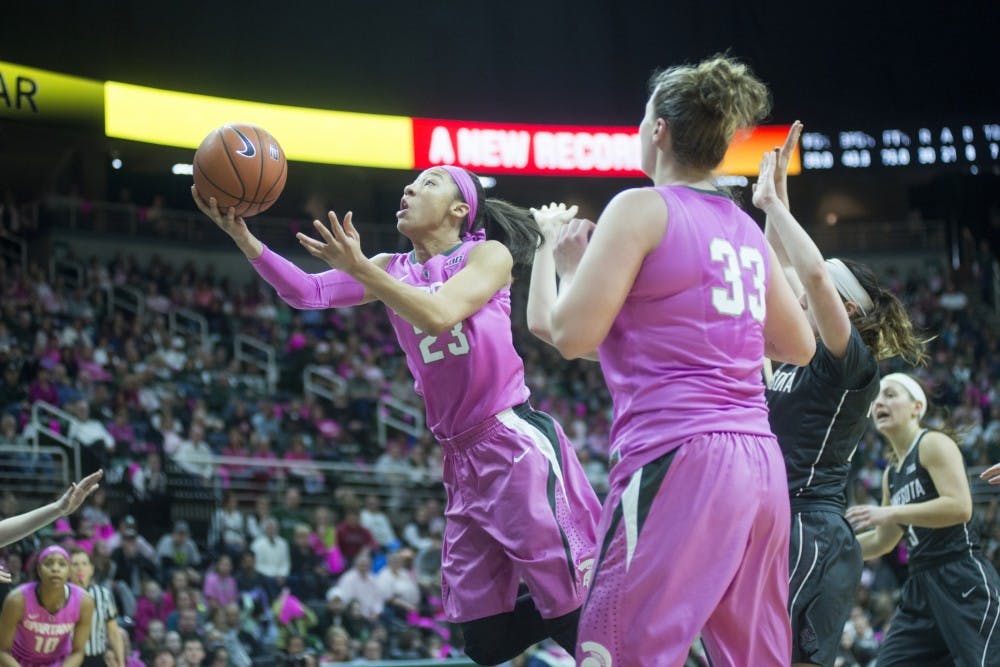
[{"x": 105, "y": 646}]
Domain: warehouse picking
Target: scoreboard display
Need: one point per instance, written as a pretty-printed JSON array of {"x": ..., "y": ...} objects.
[{"x": 973, "y": 147}]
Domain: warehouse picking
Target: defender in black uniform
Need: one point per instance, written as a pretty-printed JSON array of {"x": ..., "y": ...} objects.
[
  {"x": 819, "y": 413},
  {"x": 950, "y": 604}
]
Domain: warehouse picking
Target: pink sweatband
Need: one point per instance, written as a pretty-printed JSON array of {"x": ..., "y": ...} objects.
[
  {"x": 53, "y": 549},
  {"x": 308, "y": 291},
  {"x": 465, "y": 185}
]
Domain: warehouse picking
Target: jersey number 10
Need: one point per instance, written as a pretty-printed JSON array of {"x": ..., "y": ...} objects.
[
  {"x": 734, "y": 299},
  {"x": 45, "y": 645}
]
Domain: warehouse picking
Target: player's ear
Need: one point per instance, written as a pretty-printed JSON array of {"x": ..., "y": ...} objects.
[{"x": 459, "y": 209}]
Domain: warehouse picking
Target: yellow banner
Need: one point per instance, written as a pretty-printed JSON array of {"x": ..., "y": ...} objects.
[
  {"x": 33, "y": 94},
  {"x": 311, "y": 135}
]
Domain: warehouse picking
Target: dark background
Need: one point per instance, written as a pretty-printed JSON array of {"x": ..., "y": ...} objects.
[{"x": 834, "y": 65}]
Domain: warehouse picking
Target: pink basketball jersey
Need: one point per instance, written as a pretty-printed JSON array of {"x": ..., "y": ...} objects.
[
  {"x": 42, "y": 638},
  {"x": 685, "y": 353},
  {"x": 471, "y": 372}
]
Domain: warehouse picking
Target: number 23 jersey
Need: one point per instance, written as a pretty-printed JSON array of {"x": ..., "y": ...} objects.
[{"x": 471, "y": 372}]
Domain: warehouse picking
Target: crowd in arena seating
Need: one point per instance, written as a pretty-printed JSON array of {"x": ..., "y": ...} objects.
[{"x": 294, "y": 568}]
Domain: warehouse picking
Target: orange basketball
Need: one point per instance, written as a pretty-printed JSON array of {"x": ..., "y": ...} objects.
[{"x": 242, "y": 166}]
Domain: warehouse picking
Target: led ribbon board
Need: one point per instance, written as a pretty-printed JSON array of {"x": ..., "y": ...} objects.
[{"x": 169, "y": 118}]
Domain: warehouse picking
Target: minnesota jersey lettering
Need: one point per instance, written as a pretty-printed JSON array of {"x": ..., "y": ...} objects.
[
  {"x": 783, "y": 380},
  {"x": 912, "y": 491}
]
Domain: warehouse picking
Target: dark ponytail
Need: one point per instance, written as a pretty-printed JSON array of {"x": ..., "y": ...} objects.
[
  {"x": 887, "y": 329},
  {"x": 511, "y": 225}
]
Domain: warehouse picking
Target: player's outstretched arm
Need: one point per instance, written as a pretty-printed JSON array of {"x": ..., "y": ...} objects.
[
  {"x": 22, "y": 525},
  {"x": 487, "y": 269},
  {"x": 831, "y": 316},
  {"x": 542, "y": 290}
]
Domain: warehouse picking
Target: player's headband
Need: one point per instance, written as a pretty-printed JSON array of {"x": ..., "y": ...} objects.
[
  {"x": 53, "y": 549},
  {"x": 468, "y": 189},
  {"x": 848, "y": 286},
  {"x": 911, "y": 386}
]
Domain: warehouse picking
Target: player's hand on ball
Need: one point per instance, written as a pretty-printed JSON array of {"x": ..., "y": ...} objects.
[
  {"x": 864, "y": 517},
  {"x": 227, "y": 220},
  {"x": 339, "y": 244},
  {"x": 551, "y": 217}
]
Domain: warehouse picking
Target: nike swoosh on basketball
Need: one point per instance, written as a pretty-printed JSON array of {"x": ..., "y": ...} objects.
[
  {"x": 968, "y": 592},
  {"x": 249, "y": 150},
  {"x": 518, "y": 458}
]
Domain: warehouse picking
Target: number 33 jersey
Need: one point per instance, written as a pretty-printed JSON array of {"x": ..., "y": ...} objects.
[
  {"x": 471, "y": 372},
  {"x": 685, "y": 352}
]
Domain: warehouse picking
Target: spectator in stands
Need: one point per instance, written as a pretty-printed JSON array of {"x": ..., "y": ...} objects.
[
  {"x": 97, "y": 444},
  {"x": 150, "y": 607},
  {"x": 417, "y": 533},
  {"x": 359, "y": 584},
  {"x": 290, "y": 513},
  {"x": 398, "y": 584},
  {"x": 298, "y": 654},
  {"x": 272, "y": 557},
  {"x": 377, "y": 523},
  {"x": 324, "y": 539},
  {"x": 194, "y": 652},
  {"x": 293, "y": 618},
  {"x": 220, "y": 585},
  {"x": 304, "y": 472},
  {"x": 151, "y": 493},
  {"x": 133, "y": 559},
  {"x": 177, "y": 550},
  {"x": 228, "y": 531},
  {"x": 261, "y": 513},
  {"x": 195, "y": 457},
  {"x": 153, "y": 642},
  {"x": 309, "y": 575},
  {"x": 352, "y": 537},
  {"x": 169, "y": 430},
  {"x": 337, "y": 645}
]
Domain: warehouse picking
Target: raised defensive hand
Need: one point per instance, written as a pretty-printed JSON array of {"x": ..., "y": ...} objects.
[
  {"x": 784, "y": 156},
  {"x": 78, "y": 492},
  {"x": 340, "y": 246},
  {"x": 764, "y": 194}
]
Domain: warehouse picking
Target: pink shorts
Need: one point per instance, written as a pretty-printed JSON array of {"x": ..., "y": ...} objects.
[
  {"x": 694, "y": 541},
  {"x": 519, "y": 508}
]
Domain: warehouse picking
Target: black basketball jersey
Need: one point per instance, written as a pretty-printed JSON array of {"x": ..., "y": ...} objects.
[
  {"x": 909, "y": 482},
  {"x": 819, "y": 413}
]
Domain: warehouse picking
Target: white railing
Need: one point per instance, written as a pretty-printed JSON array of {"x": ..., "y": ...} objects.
[
  {"x": 323, "y": 381},
  {"x": 41, "y": 413},
  {"x": 14, "y": 248},
  {"x": 32, "y": 457},
  {"x": 260, "y": 355},
  {"x": 126, "y": 298},
  {"x": 185, "y": 320},
  {"x": 393, "y": 413}
]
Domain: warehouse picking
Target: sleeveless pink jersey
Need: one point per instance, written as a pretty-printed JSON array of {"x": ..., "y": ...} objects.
[
  {"x": 685, "y": 353},
  {"x": 471, "y": 372},
  {"x": 42, "y": 638}
]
